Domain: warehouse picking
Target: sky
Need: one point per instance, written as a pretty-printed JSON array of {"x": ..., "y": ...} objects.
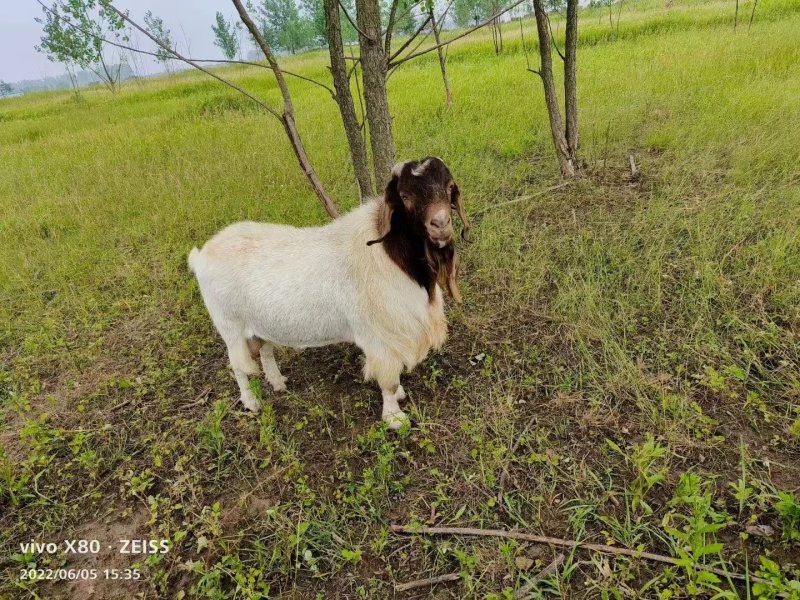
[{"x": 187, "y": 19}]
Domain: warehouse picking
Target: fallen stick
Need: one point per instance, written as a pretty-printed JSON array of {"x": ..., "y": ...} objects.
[
  {"x": 198, "y": 399},
  {"x": 523, "y": 198},
  {"x": 541, "y": 539},
  {"x": 121, "y": 404},
  {"x": 412, "y": 585},
  {"x": 547, "y": 571}
]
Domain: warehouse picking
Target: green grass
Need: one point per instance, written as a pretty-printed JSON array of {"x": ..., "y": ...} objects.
[{"x": 640, "y": 382}]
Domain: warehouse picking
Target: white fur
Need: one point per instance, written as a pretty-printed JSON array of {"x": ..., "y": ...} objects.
[{"x": 313, "y": 287}]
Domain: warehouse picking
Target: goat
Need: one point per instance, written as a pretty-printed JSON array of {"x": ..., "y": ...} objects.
[{"x": 372, "y": 277}]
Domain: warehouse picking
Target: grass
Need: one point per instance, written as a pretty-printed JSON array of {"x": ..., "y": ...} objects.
[{"x": 625, "y": 369}]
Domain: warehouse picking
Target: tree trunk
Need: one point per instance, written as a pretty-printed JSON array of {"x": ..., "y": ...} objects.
[
  {"x": 500, "y": 34},
  {"x": 73, "y": 79},
  {"x": 373, "y": 70},
  {"x": 442, "y": 62},
  {"x": 106, "y": 76},
  {"x": 288, "y": 114},
  {"x": 344, "y": 99},
  {"x": 571, "y": 80},
  {"x": 550, "y": 96},
  {"x": 752, "y": 14}
]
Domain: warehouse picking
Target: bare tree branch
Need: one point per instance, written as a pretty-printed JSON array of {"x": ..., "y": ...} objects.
[
  {"x": 563, "y": 543},
  {"x": 304, "y": 78},
  {"x": 355, "y": 64},
  {"x": 553, "y": 37},
  {"x": 352, "y": 22},
  {"x": 422, "y": 41},
  {"x": 189, "y": 61},
  {"x": 358, "y": 93},
  {"x": 287, "y": 118},
  {"x": 524, "y": 48},
  {"x": 412, "y": 585},
  {"x": 458, "y": 37},
  {"x": 443, "y": 16},
  {"x": 390, "y": 27},
  {"x": 407, "y": 11},
  {"x": 411, "y": 38}
]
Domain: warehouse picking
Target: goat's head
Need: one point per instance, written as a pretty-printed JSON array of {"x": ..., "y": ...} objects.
[{"x": 418, "y": 205}]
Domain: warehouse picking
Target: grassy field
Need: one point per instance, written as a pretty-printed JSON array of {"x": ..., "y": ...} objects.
[{"x": 625, "y": 369}]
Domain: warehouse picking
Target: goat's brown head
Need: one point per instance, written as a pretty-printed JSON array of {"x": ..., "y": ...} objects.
[{"x": 415, "y": 223}]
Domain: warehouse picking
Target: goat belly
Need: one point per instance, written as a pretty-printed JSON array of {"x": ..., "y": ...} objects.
[
  {"x": 298, "y": 307},
  {"x": 279, "y": 283}
]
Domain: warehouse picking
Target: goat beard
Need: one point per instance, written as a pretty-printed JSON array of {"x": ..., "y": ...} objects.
[{"x": 443, "y": 263}]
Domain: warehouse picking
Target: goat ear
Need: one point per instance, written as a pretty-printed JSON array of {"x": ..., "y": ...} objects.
[
  {"x": 455, "y": 202},
  {"x": 385, "y": 210}
]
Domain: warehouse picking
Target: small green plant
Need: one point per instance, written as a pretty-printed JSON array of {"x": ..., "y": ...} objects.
[
  {"x": 210, "y": 430},
  {"x": 741, "y": 492},
  {"x": 14, "y": 486},
  {"x": 695, "y": 543},
  {"x": 788, "y": 508},
  {"x": 778, "y": 586},
  {"x": 643, "y": 459}
]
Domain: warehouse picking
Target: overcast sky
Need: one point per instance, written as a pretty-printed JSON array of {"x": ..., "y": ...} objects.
[{"x": 19, "y": 33}]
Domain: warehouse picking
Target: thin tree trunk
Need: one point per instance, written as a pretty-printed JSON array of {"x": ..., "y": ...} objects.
[
  {"x": 752, "y": 14},
  {"x": 73, "y": 79},
  {"x": 373, "y": 72},
  {"x": 288, "y": 114},
  {"x": 390, "y": 27},
  {"x": 442, "y": 62},
  {"x": 344, "y": 99},
  {"x": 736, "y": 16},
  {"x": 571, "y": 80},
  {"x": 550, "y": 96},
  {"x": 500, "y": 34},
  {"x": 109, "y": 79}
]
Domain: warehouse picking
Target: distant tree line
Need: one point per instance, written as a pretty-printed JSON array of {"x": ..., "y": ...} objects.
[
  {"x": 292, "y": 26},
  {"x": 6, "y": 89},
  {"x": 59, "y": 82}
]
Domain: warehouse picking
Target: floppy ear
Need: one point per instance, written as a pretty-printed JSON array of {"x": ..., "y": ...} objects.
[
  {"x": 385, "y": 210},
  {"x": 452, "y": 281},
  {"x": 455, "y": 202},
  {"x": 445, "y": 262}
]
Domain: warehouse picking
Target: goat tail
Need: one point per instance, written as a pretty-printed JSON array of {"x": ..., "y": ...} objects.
[{"x": 194, "y": 255}]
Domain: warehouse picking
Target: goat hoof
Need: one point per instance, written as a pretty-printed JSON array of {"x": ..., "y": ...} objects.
[
  {"x": 396, "y": 420},
  {"x": 279, "y": 385},
  {"x": 401, "y": 393},
  {"x": 250, "y": 403}
]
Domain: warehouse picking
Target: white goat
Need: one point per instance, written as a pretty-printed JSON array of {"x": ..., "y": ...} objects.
[{"x": 370, "y": 278}]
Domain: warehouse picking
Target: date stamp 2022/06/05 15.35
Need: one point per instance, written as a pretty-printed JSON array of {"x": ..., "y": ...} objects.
[{"x": 34, "y": 554}]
